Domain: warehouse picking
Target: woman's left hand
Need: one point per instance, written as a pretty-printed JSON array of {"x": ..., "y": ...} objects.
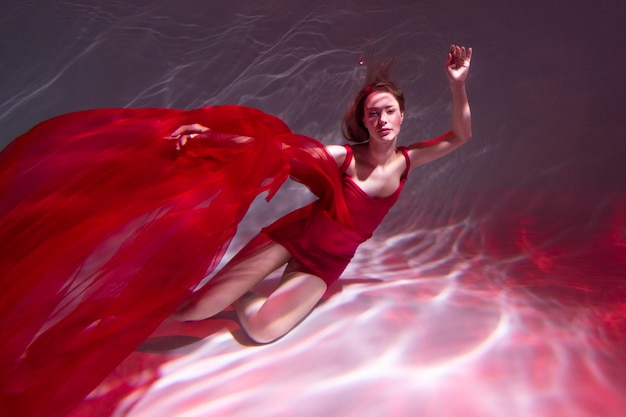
[
  {"x": 458, "y": 64},
  {"x": 186, "y": 132}
]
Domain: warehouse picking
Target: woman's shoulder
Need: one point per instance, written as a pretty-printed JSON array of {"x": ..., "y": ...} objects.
[
  {"x": 336, "y": 149},
  {"x": 338, "y": 152}
]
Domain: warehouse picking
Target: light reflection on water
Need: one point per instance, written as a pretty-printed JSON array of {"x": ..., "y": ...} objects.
[
  {"x": 496, "y": 285},
  {"x": 416, "y": 326}
]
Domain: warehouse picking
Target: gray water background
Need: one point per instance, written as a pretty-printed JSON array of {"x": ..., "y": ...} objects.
[{"x": 547, "y": 93}]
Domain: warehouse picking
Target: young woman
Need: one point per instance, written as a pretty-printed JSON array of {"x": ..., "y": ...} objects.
[
  {"x": 315, "y": 247},
  {"x": 105, "y": 228}
]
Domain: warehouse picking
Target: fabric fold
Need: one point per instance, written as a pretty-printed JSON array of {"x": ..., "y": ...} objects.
[{"x": 105, "y": 228}]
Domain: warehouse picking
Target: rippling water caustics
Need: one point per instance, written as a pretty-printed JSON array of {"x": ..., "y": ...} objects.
[{"x": 496, "y": 285}]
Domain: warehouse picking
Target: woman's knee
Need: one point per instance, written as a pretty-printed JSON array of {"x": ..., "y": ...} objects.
[
  {"x": 292, "y": 301},
  {"x": 264, "y": 331}
]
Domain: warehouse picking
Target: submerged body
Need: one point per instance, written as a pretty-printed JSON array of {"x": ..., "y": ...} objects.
[
  {"x": 375, "y": 167},
  {"x": 106, "y": 228},
  {"x": 323, "y": 246}
]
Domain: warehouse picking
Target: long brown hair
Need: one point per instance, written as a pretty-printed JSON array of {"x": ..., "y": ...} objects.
[{"x": 377, "y": 79}]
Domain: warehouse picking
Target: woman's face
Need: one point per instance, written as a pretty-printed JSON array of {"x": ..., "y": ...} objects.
[{"x": 382, "y": 116}]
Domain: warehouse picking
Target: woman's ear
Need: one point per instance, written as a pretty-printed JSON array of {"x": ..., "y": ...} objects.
[{"x": 401, "y": 117}]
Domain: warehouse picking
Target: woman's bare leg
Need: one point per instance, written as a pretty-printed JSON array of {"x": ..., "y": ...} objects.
[
  {"x": 259, "y": 258},
  {"x": 268, "y": 318}
]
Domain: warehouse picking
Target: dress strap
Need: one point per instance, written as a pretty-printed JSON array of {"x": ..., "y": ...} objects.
[
  {"x": 348, "y": 160},
  {"x": 405, "y": 152}
]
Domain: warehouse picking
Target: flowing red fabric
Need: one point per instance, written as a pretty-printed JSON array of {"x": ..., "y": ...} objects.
[{"x": 105, "y": 228}]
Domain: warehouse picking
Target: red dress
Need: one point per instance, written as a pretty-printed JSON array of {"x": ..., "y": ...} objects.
[
  {"x": 105, "y": 228},
  {"x": 323, "y": 245}
]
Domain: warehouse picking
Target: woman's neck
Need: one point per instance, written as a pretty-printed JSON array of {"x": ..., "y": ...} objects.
[{"x": 380, "y": 153}]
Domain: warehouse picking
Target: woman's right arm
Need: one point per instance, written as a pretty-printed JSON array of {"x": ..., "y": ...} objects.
[{"x": 338, "y": 153}]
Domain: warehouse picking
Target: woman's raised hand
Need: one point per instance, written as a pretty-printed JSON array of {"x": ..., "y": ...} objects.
[
  {"x": 186, "y": 132},
  {"x": 458, "y": 63}
]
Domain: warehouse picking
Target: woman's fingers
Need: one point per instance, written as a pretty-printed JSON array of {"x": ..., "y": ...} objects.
[
  {"x": 459, "y": 56},
  {"x": 187, "y": 129},
  {"x": 186, "y": 132}
]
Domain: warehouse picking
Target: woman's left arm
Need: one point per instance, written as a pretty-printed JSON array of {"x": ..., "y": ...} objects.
[
  {"x": 186, "y": 132},
  {"x": 457, "y": 66}
]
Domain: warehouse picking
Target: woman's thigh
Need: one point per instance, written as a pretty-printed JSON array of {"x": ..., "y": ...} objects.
[
  {"x": 255, "y": 261},
  {"x": 293, "y": 300}
]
